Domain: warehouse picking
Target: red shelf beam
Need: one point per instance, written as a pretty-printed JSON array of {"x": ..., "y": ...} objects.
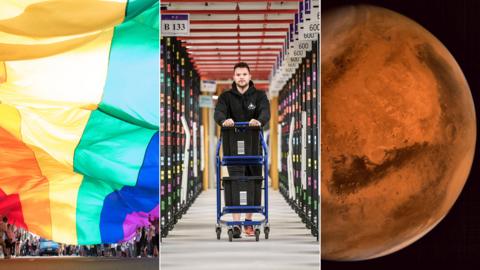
[
  {"x": 193, "y": 50},
  {"x": 234, "y": 30},
  {"x": 231, "y": 37},
  {"x": 241, "y": 21},
  {"x": 232, "y": 44},
  {"x": 233, "y": 62},
  {"x": 229, "y": 12},
  {"x": 236, "y": 55},
  {"x": 225, "y": 1}
]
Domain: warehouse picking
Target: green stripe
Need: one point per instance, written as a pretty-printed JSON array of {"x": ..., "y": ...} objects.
[
  {"x": 132, "y": 88},
  {"x": 135, "y": 7},
  {"x": 111, "y": 149},
  {"x": 150, "y": 17},
  {"x": 91, "y": 195},
  {"x": 109, "y": 155}
]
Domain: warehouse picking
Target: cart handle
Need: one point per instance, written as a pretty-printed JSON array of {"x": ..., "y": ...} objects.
[{"x": 241, "y": 124}]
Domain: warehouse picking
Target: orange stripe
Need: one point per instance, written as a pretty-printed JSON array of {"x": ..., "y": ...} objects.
[{"x": 20, "y": 174}]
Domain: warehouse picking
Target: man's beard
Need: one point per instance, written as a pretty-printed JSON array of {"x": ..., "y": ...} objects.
[{"x": 242, "y": 86}]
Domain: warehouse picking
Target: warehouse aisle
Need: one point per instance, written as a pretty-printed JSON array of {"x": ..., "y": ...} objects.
[
  {"x": 192, "y": 244},
  {"x": 201, "y": 43}
]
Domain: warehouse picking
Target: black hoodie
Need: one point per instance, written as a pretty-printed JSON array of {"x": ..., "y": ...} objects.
[{"x": 253, "y": 104}]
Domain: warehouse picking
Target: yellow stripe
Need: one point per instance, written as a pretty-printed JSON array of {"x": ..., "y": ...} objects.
[
  {"x": 26, "y": 48},
  {"x": 50, "y": 93},
  {"x": 10, "y": 120},
  {"x": 49, "y": 18},
  {"x": 63, "y": 188},
  {"x": 72, "y": 79},
  {"x": 55, "y": 130},
  {"x": 3, "y": 72},
  {"x": 57, "y": 191},
  {"x": 47, "y": 102}
]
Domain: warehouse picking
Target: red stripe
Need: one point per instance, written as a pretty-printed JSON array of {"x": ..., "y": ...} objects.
[{"x": 11, "y": 207}]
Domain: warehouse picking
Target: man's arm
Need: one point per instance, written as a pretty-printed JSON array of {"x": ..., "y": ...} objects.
[
  {"x": 264, "y": 110},
  {"x": 221, "y": 110}
]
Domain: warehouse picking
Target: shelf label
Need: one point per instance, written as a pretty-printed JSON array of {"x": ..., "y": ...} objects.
[{"x": 174, "y": 25}]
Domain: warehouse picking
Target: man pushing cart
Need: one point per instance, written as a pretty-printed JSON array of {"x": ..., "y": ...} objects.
[{"x": 242, "y": 112}]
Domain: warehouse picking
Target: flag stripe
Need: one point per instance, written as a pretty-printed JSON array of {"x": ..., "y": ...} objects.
[
  {"x": 72, "y": 79},
  {"x": 111, "y": 150},
  {"x": 89, "y": 207},
  {"x": 11, "y": 204},
  {"x": 131, "y": 91},
  {"x": 143, "y": 197},
  {"x": 109, "y": 155},
  {"x": 42, "y": 19},
  {"x": 14, "y": 50},
  {"x": 136, "y": 7},
  {"x": 20, "y": 174},
  {"x": 63, "y": 189},
  {"x": 79, "y": 117}
]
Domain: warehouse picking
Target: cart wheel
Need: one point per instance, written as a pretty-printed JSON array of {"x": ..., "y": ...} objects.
[
  {"x": 266, "y": 231},
  {"x": 230, "y": 235},
  {"x": 219, "y": 232},
  {"x": 257, "y": 235}
]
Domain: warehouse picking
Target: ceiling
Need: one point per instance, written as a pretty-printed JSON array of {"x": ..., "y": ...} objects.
[{"x": 223, "y": 33}]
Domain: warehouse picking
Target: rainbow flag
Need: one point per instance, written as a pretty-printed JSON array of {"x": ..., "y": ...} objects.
[{"x": 79, "y": 114}]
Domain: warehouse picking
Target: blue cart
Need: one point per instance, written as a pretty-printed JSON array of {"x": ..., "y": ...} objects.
[{"x": 243, "y": 160}]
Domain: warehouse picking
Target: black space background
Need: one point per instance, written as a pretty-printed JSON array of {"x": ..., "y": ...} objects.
[{"x": 455, "y": 242}]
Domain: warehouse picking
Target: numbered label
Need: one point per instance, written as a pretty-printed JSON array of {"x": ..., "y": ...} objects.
[
  {"x": 310, "y": 36},
  {"x": 175, "y": 25},
  {"x": 314, "y": 27}
]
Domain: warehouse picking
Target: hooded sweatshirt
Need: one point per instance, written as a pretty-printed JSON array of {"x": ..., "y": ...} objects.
[{"x": 253, "y": 104}]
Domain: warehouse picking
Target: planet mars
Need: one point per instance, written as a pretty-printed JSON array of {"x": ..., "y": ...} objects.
[{"x": 398, "y": 132}]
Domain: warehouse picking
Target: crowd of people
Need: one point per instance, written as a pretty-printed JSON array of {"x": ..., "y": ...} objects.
[{"x": 17, "y": 242}]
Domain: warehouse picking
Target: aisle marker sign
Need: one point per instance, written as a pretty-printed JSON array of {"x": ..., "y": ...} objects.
[
  {"x": 208, "y": 86},
  {"x": 206, "y": 102},
  {"x": 303, "y": 17},
  {"x": 308, "y": 5},
  {"x": 175, "y": 25},
  {"x": 312, "y": 24}
]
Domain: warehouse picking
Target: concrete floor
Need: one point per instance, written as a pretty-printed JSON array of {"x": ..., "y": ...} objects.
[{"x": 192, "y": 244}]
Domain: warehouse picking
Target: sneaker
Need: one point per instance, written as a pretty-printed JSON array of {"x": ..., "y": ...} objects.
[
  {"x": 249, "y": 231},
  {"x": 237, "y": 232}
]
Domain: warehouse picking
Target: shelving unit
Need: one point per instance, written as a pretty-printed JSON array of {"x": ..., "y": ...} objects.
[
  {"x": 300, "y": 95},
  {"x": 180, "y": 89}
]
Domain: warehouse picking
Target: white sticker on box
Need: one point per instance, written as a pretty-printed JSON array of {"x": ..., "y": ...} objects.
[
  {"x": 240, "y": 147},
  {"x": 243, "y": 198}
]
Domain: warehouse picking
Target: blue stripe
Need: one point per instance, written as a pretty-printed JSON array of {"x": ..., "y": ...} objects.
[{"x": 143, "y": 197}]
